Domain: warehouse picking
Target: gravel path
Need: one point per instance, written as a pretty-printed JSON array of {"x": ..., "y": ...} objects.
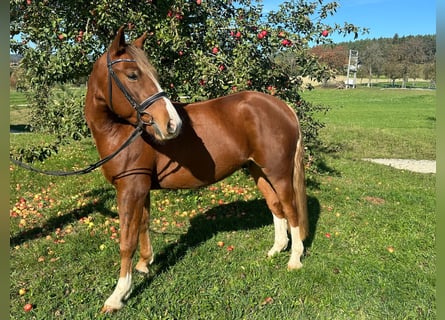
[{"x": 422, "y": 166}]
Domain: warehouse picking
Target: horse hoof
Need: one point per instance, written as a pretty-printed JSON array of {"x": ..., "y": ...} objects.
[
  {"x": 277, "y": 248},
  {"x": 142, "y": 269},
  {"x": 142, "y": 273},
  {"x": 294, "y": 266},
  {"x": 108, "y": 310}
]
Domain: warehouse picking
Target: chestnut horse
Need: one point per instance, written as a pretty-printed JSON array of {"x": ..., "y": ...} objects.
[{"x": 189, "y": 146}]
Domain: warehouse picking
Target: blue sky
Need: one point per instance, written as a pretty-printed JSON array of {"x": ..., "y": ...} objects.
[{"x": 384, "y": 18}]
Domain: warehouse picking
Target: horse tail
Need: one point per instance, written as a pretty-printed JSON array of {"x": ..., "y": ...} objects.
[{"x": 299, "y": 186}]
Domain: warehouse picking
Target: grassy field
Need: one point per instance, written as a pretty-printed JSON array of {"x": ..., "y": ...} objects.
[
  {"x": 370, "y": 255},
  {"x": 377, "y": 123},
  {"x": 18, "y": 109}
]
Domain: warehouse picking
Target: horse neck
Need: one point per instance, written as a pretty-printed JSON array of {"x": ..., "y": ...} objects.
[{"x": 101, "y": 121}]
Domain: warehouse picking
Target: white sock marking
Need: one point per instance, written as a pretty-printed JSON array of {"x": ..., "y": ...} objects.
[
  {"x": 296, "y": 250},
  {"x": 120, "y": 293},
  {"x": 281, "y": 238}
]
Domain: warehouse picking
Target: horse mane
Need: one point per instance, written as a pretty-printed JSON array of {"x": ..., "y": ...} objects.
[{"x": 142, "y": 61}]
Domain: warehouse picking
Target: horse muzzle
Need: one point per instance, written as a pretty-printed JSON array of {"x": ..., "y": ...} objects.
[{"x": 166, "y": 130}]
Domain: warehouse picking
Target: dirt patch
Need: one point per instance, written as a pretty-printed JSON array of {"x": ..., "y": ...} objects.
[{"x": 421, "y": 166}]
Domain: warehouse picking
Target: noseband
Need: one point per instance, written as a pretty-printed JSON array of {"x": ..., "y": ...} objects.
[{"x": 139, "y": 107}]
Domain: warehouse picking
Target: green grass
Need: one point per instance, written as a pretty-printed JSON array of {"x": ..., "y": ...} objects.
[
  {"x": 16, "y": 98},
  {"x": 371, "y": 253},
  {"x": 18, "y": 109},
  {"x": 379, "y": 123}
]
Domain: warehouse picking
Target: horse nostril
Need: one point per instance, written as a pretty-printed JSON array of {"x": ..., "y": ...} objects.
[{"x": 171, "y": 126}]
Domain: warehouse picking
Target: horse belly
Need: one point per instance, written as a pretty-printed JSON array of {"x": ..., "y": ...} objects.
[
  {"x": 180, "y": 179},
  {"x": 198, "y": 170}
]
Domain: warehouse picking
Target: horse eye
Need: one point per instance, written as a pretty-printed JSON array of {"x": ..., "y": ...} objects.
[{"x": 132, "y": 76}]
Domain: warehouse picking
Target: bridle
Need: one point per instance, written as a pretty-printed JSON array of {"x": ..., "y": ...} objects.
[{"x": 139, "y": 107}]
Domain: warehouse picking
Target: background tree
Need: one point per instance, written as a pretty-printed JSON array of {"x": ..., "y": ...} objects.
[
  {"x": 335, "y": 58},
  {"x": 393, "y": 67},
  {"x": 429, "y": 72},
  {"x": 371, "y": 59},
  {"x": 201, "y": 49},
  {"x": 388, "y": 56}
]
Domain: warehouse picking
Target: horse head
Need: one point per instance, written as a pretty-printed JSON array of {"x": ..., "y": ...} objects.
[{"x": 133, "y": 92}]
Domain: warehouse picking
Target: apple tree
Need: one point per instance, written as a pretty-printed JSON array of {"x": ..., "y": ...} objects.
[{"x": 201, "y": 49}]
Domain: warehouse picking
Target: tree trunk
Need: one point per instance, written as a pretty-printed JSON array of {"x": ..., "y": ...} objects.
[{"x": 370, "y": 77}]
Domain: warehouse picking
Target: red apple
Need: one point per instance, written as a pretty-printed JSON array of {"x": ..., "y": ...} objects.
[
  {"x": 221, "y": 67},
  {"x": 286, "y": 42},
  {"x": 61, "y": 36},
  {"x": 260, "y": 36},
  {"x": 28, "y": 2},
  {"x": 238, "y": 35},
  {"x": 198, "y": 2},
  {"x": 27, "y": 307},
  {"x": 215, "y": 50},
  {"x": 325, "y": 33},
  {"x": 79, "y": 36},
  {"x": 264, "y": 32}
]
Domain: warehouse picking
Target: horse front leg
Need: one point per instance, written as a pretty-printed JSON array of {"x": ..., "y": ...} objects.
[
  {"x": 131, "y": 213},
  {"x": 145, "y": 247}
]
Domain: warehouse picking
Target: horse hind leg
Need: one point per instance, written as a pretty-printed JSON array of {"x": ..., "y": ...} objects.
[
  {"x": 281, "y": 239},
  {"x": 280, "y": 198},
  {"x": 145, "y": 248},
  {"x": 286, "y": 195},
  {"x": 280, "y": 223}
]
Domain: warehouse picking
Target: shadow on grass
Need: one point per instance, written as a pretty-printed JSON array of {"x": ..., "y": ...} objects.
[
  {"x": 55, "y": 222},
  {"x": 19, "y": 128},
  {"x": 235, "y": 216},
  {"x": 238, "y": 215}
]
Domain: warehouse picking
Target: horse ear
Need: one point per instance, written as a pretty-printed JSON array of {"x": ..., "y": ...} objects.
[
  {"x": 139, "y": 42},
  {"x": 118, "y": 43}
]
